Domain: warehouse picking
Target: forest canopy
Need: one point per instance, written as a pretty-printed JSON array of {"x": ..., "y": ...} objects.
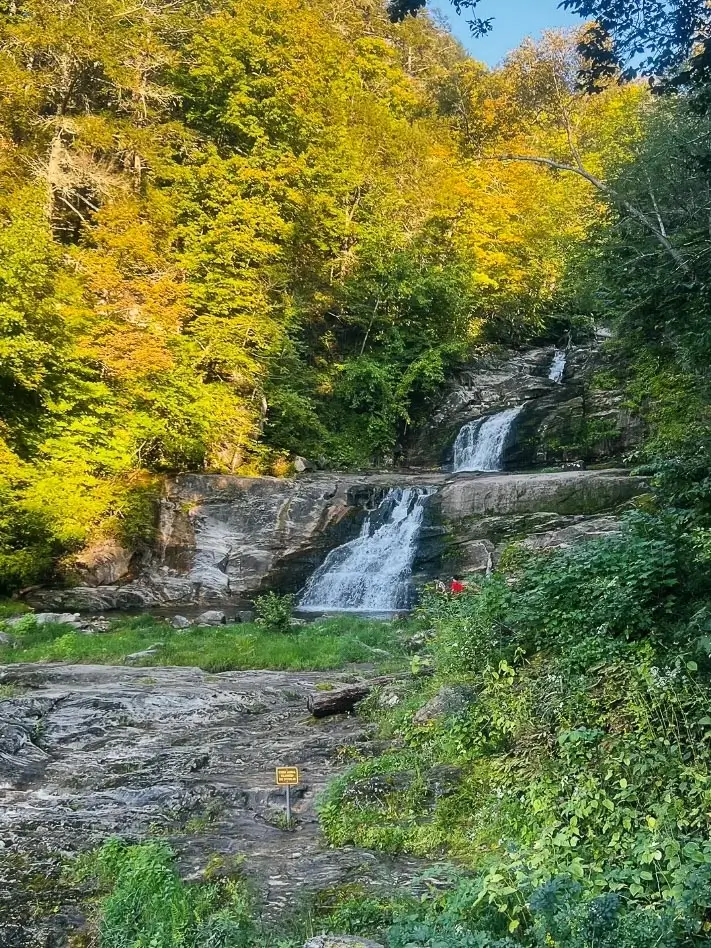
[{"x": 236, "y": 232}]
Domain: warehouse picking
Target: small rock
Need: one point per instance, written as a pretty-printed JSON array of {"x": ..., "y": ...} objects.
[
  {"x": 198, "y": 763},
  {"x": 379, "y": 788},
  {"x": 12, "y": 621},
  {"x": 341, "y": 941},
  {"x": 448, "y": 700},
  {"x": 419, "y": 640},
  {"x": 146, "y": 653},
  {"x": 443, "y": 780},
  {"x": 301, "y": 465},
  {"x": 58, "y": 618},
  {"x": 388, "y": 699},
  {"x": 211, "y": 617},
  {"x": 180, "y": 622}
]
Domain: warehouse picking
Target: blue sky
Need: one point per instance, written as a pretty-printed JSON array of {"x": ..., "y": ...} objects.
[{"x": 514, "y": 20}]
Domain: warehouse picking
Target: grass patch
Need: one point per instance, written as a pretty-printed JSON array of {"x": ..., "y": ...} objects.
[
  {"x": 9, "y": 608},
  {"x": 326, "y": 644}
]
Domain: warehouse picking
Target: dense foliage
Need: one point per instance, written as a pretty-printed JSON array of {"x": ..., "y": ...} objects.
[
  {"x": 572, "y": 777},
  {"x": 237, "y": 231}
]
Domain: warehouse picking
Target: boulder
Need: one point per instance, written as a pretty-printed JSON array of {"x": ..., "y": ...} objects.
[
  {"x": 180, "y": 622},
  {"x": 477, "y": 556},
  {"x": 419, "y": 640},
  {"x": 145, "y": 653},
  {"x": 341, "y": 941},
  {"x": 103, "y": 563},
  {"x": 449, "y": 700},
  {"x": 301, "y": 465},
  {"x": 588, "y": 529},
  {"x": 211, "y": 617},
  {"x": 58, "y": 618}
]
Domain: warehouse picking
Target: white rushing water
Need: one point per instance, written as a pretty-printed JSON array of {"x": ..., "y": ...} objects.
[
  {"x": 372, "y": 572},
  {"x": 480, "y": 444},
  {"x": 557, "y": 366}
]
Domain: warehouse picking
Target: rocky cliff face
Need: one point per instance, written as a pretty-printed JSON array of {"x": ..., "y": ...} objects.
[
  {"x": 221, "y": 540},
  {"x": 582, "y": 419},
  {"x": 479, "y": 517},
  {"x": 224, "y": 539}
]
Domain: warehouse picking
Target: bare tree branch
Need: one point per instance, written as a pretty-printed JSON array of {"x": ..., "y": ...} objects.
[{"x": 604, "y": 188}]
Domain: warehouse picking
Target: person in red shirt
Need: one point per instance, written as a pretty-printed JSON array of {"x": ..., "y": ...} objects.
[{"x": 456, "y": 587}]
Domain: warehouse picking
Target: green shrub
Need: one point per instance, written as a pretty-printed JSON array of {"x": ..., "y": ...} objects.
[
  {"x": 274, "y": 612},
  {"x": 581, "y": 767},
  {"x": 149, "y": 906}
]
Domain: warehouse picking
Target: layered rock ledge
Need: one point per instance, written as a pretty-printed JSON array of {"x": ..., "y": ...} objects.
[{"x": 224, "y": 539}]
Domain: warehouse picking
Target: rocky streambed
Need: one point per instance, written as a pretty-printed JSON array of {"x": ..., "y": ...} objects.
[{"x": 91, "y": 751}]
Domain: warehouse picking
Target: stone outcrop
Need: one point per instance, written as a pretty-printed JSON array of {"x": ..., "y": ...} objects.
[
  {"x": 87, "y": 752},
  {"x": 565, "y": 492},
  {"x": 224, "y": 539},
  {"x": 584, "y": 419},
  {"x": 221, "y": 540},
  {"x": 475, "y": 518}
]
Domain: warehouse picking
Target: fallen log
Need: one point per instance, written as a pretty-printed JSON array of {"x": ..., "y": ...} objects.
[
  {"x": 338, "y": 701},
  {"x": 344, "y": 699}
]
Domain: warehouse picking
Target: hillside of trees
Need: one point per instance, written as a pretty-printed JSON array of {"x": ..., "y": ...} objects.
[
  {"x": 233, "y": 233},
  {"x": 236, "y": 232}
]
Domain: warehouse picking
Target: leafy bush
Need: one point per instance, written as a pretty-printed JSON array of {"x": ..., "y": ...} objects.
[
  {"x": 149, "y": 906},
  {"x": 274, "y": 612},
  {"x": 581, "y": 764}
]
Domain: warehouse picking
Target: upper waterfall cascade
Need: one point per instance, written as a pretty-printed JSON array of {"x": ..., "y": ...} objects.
[
  {"x": 480, "y": 444},
  {"x": 372, "y": 572},
  {"x": 557, "y": 369}
]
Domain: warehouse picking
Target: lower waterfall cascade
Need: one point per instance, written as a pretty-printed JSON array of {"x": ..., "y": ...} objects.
[
  {"x": 480, "y": 444},
  {"x": 371, "y": 573}
]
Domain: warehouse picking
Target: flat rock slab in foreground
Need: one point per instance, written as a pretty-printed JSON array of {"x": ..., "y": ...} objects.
[{"x": 87, "y": 752}]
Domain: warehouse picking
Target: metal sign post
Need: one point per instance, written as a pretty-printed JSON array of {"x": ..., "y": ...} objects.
[{"x": 287, "y": 777}]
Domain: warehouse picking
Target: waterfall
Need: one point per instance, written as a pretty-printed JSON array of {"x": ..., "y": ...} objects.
[
  {"x": 557, "y": 366},
  {"x": 372, "y": 572},
  {"x": 480, "y": 444}
]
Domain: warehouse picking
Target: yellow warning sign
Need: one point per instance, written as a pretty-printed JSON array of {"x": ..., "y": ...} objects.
[{"x": 287, "y": 776}]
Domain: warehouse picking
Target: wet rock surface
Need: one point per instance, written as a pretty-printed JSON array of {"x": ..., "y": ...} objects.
[{"x": 87, "y": 752}]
